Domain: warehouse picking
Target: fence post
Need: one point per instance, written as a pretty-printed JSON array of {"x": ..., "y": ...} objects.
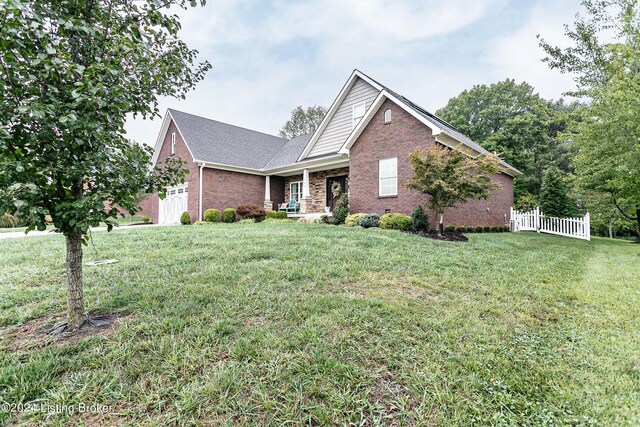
[
  {"x": 587, "y": 225},
  {"x": 537, "y": 219}
]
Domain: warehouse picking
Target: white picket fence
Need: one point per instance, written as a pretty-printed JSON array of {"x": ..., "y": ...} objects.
[{"x": 579, "y": 228}]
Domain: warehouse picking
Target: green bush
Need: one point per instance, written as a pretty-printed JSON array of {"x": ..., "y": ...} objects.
[
  {"x": 200, "y": 223},
  {"x": 450, "y": 228},
  {"x": 419, "y": 220},
  {"x": 212, "y": 215},
  {"x": 370, "y": 220},
  {"x": 324, "y": 219},
  {"x": 341, "y": 210},
  {"x": 281, "y": 215},
  {"x": 495, "y": 229},
  {"x": 478, "y": 229},
  {"x": 185, "y": 218},
  {"x": 247, "y": 221},
  {"x": 486, "y": 229},
  {"x": 8, "y": 221},
  {"x": 395, "y": 221},
  {"x": 462, "y": 229},
  {"x": 146, "y": 219},
  {"x": 272, "y": 214},
  {"x": 352, "y": 220},
  {"x": 229, "y": 215}
]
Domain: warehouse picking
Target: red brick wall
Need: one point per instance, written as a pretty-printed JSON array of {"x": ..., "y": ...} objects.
[
  {"x": 226, "y": 189},
  {"x": 397, "y": 139}
]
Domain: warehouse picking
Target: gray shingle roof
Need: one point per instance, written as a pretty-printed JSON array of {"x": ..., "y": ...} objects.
[
  {"x": 289, "y": 152},
  {"x": 217, "y": 142}
]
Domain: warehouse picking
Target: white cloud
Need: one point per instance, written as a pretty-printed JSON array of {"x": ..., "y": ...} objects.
[
  {"x": 269, "y": 57},
  {"x": 518, "y": 55}
]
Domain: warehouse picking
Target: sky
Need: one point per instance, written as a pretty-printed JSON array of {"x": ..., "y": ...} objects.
[{"x": 269, "y": 57}]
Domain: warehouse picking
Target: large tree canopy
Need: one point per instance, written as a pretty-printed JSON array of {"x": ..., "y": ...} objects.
[
  {"x": 303, "y": 121},
  {"x": 510, "y": 119},
  {"x": 607, "y": 140},
  {"x": 71, "y": 71}
]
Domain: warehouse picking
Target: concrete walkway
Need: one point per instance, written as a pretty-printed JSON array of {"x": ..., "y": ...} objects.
[{"x": 36, "y": 233}]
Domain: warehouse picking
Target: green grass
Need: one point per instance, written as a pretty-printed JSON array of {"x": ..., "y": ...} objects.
[
  {"x": 135, "y": 219},
  {"x": 282, "y": 323}
]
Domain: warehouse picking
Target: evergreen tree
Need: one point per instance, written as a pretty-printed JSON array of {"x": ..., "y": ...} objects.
[{"x": 554, "y": 197}]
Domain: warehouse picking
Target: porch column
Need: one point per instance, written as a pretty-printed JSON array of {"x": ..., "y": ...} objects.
[
  {"x": 305, "y": 203},
  {"x": 268, "y": 204}
]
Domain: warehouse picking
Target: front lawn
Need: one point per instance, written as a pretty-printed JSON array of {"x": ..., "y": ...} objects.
[{"x": 269, "y": 324}]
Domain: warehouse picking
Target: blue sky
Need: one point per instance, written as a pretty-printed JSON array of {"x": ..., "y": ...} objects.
[{"x": 269, "y": 57}]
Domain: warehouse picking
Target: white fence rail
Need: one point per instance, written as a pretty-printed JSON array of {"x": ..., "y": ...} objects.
[{"x": 579, "y": 228}]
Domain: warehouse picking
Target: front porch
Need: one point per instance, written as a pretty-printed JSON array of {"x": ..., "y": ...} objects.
[{"x": 311, "y": 190}]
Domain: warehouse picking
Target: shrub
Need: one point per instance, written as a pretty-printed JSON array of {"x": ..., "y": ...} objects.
[
  {"x": 200, "y": 223},
  {"x": 281, "y": 215},
  {"x": 8, "y": 221},
  {"x": 486, "y": 229},
  {"x": 229, "y": 215},
  {"x": 419, "y": 220},
  {"x": 146, "y": 219},
  {"x": 185, "y": 218},
  {"x": 505, "y": 228},
  {"x": 324, "y": 219},
  {"x": 370, "y": 220},
  {"x": 395, "y": 221},
  {"x": 352, "y": 220},
  {"x": 247, "y": 221},
  {"x": 272, "y": 214},
  {"x": 212, "y": 215},
  {"x": 495, "y": 229},
  {"x": 254, "y": 212},
  {"x": 450, "y": 228},
  {"x": 341, "y": 210}
]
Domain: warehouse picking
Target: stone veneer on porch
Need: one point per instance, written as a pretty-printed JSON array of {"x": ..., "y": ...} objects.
[{"x": 317, "y": 187}]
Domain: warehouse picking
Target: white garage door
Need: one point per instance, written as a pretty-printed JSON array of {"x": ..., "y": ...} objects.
[{"x": 174, "y": 204}]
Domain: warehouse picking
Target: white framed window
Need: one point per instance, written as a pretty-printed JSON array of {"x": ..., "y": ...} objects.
[
  {"x": 173, "y": 143},
  {"x": 358, "y": 112},
  {"x": 386, "y": 117},
  {"x": 388, "y": 172},
  {"x": 295, "y": 191}
]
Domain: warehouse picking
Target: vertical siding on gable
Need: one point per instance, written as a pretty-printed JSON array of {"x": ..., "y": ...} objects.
[{"x": 340, "y": 126}]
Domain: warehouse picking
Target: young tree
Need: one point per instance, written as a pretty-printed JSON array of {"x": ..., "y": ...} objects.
[
  {"x": 451, "y": 177},
  {"x": 71, "y": 72},
  {"x": 607, "y": 140},
  {"x": 303, "y": 121},
  {"x": 554, "y": 196}
]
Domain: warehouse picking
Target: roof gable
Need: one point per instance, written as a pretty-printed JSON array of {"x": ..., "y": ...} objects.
[{"x": 331, "y": 134}]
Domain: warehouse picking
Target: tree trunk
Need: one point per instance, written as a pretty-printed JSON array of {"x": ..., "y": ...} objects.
[
  {"x": 441, "y": 225},
  {"x": 75, "y": 311},
  {"x": 637, "y": 224},
  {"x": 610, "y": 228}
]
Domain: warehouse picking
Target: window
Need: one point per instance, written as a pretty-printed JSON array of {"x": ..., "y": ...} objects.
[
  {"x": 173, "y": 143},
  {"x": 295, "y": 191},
  {"x": 386, "y": 118},
  {"x": 358, "y": 112},
  {"x": 388, "y": 177}
]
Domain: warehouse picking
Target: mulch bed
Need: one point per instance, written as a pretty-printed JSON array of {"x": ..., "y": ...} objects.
[
  {"x": 449, "y": 236},
  {"x": 39, "y": 333}
]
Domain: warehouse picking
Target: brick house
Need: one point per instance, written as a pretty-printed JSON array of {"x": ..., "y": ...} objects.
[{"x": 362, "y": 144}]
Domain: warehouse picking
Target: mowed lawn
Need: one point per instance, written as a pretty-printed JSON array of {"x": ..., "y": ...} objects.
[{"x": 303, "y": 324}]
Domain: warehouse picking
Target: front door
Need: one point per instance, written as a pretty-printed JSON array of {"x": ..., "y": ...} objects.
[
  {"x": 342, "y": 183},
  {"x": 173, "y": 205}
]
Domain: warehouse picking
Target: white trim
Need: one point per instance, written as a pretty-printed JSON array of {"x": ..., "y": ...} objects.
[
  {"x": 306, "y": 194},
  {"x": 173, "y": 143},
  {"x": 380, "y": 178},
  {"x": 168, "y": 118},
  {"x": 334, "y": 107},
  {"x": 328, "y": 162},
  {"x": 221, "y": 166},
  {"x": 200, "y": 192}
]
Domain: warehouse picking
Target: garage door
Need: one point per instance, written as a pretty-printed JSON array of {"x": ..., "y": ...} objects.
[{"x": 174, "y": 204}]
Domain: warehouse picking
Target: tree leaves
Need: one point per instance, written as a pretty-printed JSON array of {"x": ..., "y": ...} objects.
[{"x": 303, "y": 121}]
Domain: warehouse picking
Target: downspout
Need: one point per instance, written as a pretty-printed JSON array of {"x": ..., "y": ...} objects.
[{"x": 200, "y": 193}]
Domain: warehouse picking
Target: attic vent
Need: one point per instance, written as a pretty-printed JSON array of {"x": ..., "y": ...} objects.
[{"x": 386, "y": 118}]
